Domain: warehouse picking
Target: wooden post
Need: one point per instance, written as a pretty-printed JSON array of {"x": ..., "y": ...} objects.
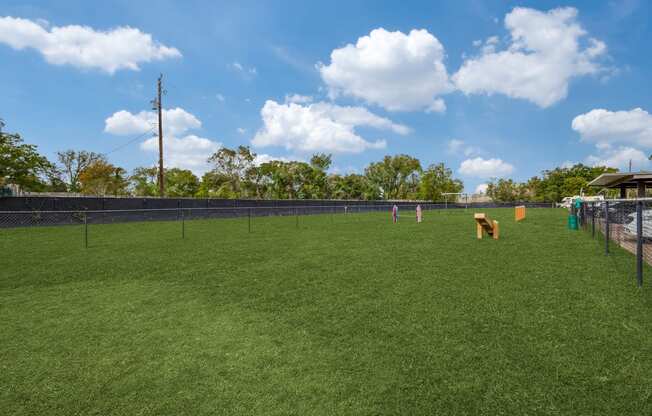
[
  {"x": 478, "y": 229},
  {"x": 496, "y": 230}
]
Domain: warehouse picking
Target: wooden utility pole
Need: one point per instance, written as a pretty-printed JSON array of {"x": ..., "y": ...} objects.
[{"x": 159, "y": 107}]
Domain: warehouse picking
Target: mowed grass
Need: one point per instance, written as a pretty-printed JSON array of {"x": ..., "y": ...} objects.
[{"x": 340, "y": 315}]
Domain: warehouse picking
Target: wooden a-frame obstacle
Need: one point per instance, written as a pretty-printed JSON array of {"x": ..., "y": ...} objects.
[
  {"x": 519, "y": 213},
  {"x": 484, "y": 224}
]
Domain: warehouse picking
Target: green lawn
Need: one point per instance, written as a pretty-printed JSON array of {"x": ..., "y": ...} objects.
[{"x": 342, "y": 315}]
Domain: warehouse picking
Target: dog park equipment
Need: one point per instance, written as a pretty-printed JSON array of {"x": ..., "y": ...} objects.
[
  {"x": 572, "y": 216},
  {"x": 519, "y": 213},
  {"x": 419, "y": 217},
  {"x": 395, "y": 214},
  {"x": 484, "y": 224}
]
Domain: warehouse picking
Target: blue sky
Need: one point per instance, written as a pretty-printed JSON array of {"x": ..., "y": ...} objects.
[{"x": 491, "y": 88}]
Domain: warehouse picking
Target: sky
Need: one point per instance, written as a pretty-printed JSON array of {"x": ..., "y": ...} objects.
[{"x": 494, "y": 89}]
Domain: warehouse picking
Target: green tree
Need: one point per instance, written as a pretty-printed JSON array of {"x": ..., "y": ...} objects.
[
  {"x": 437, "y": 180},
  {"x": 144, "y": 181},
  {"x": 397, "y": 177},
  {"x": 22, "y": 165},
  {"x": 503, "y": 190},
  {"x": 102, "y": 178},
  {"x": 180, "y": 183},
  {"x": 352, "y": 186},
  {"x": 565, "y": 181},
  {"x": 73, "y": 163},
  {"x": 231, "y": 166}
]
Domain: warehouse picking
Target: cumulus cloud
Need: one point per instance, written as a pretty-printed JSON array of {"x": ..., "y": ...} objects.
[
  {"x": 320, "y": 127},
  {"x": 546, "y": 51},
  {"x": 619, "y": 158},
  {"x": 188, "y": 152},
  {"x": 84, "y": 47},
  {"x": 602, "y": 126},
  {"x": 176, "y": 121},
  {"x": 397, "y": 71},
  {"x": 183, "y": 150},
  {"x": 485, "y": 168}
]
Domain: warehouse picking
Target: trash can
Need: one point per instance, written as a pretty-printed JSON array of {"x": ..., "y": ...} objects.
[{"x": 572, "y": 222}]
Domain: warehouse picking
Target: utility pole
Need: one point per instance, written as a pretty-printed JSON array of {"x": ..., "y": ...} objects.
[{"x": 159, "y": 107}]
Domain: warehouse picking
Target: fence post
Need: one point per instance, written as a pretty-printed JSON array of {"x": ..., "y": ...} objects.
[
  {"x": 593, "y": 220},
  {"x": 85, "y": 230},
  {"x": 296, "y": 214},
  {"x": 249, "y": 221},
  {"x": 639, "y": 243},
  {"x": 606, "y": 227},
  {"x": 183, "y": 225}
]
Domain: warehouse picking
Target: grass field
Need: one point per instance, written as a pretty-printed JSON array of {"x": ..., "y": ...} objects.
[{"x": 341, "y": 315}]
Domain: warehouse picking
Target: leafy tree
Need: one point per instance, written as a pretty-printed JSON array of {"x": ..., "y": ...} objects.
[
  {"x": 316, "y": 177},
  {"x": 352, "y": 186},
  {"x": 180, "y": 183},
  {"x": 232, "y": 165},
  {"x": 397, "y": 177},
  {"x": 504, "y": 190},
  {"x": 73, "y": 163},
  {"x": 437, "y": 180},
  {"x": 22, "y": 165},
  {"x": 102, "y": 178},
  {"x": 144, "y": 181},
  {"x": 568, "y": 181}
]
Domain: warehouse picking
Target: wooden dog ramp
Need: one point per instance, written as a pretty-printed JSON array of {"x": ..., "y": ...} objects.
[{"x": 484, "y": 224}]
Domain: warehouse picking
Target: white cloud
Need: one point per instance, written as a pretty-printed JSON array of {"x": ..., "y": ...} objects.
[
  {"x": 481, "y": 189},
  {"x": 181, "y": 149},
  {"x": 459, "y": 147},
  {"x": 188, "y": 152},
  {"x": 485, "y": 168},
  {"x": 396, "y": 71},
  {"x": 320, "y": 127},
  {"x": 298, "y": 99},
  {"x": 604, "y": 127},
  {"x": 84, "y": 47},
  {"x": 547, "y": 50},
  {"x": 240, "y": 130},
  {"x": 176, "y": 121},
  {"x": 264, "y": 158},
  {"x": 619, "y": 158}
]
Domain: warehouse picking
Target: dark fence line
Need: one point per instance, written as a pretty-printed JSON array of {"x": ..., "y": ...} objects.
[
  {"x": 26, "y": 203},
  {"x": 33, "y": 218}
]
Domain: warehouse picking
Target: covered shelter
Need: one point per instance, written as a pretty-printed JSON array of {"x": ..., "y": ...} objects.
[{"x": 624, "y": 181}]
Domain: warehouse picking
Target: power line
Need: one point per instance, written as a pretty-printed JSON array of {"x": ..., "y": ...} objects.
[{"x": 122, "y": 146}]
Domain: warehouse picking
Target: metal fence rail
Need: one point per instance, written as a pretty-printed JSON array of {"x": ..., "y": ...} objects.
[
  {"x": 626, "y": 222},
  {"x": 31, "y": 218}
]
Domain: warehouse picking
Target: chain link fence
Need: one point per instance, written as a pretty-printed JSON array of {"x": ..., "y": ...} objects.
[
  {"x": 625, "y": 222},
  {"x": 189, "y": 218}
]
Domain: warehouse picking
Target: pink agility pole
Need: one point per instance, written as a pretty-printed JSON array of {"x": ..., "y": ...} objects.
[
  {"x": 419, "y": 213},
  {"x": 395, "y": 214}
]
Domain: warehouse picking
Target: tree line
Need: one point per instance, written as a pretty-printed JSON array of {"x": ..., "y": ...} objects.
[{"x": 234, "y": 174}]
